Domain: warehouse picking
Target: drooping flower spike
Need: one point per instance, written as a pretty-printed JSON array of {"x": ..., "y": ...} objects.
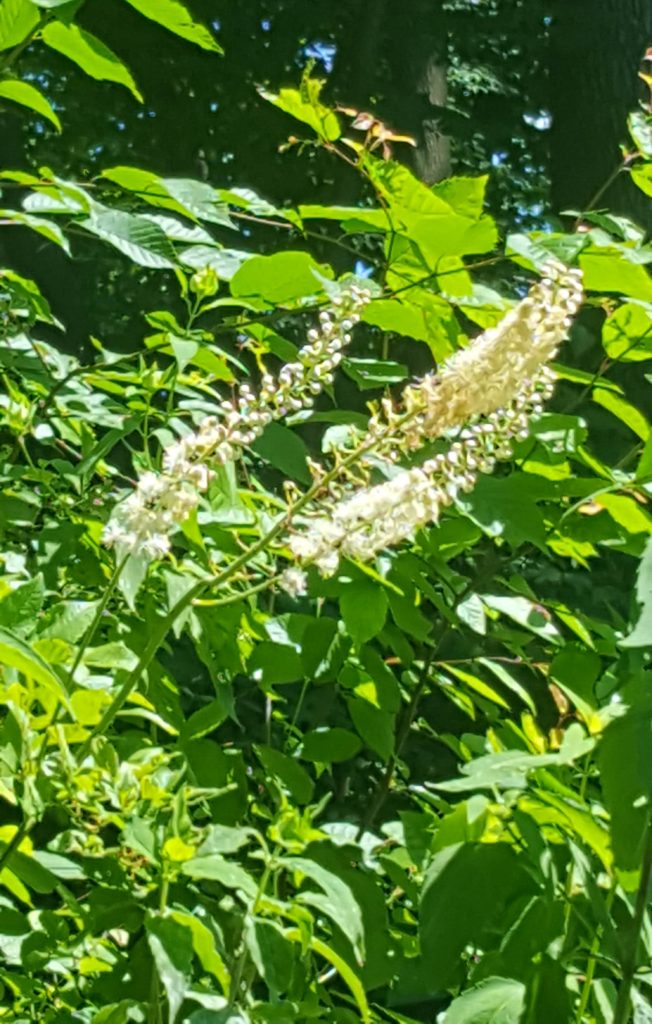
[{"x": 489, "y": 393}]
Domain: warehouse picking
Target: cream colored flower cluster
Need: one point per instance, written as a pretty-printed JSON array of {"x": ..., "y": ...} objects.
[
  {"x": 495, "y": 387},
  {"x": 487, "y": 374},
  {"x": 143, "y": 522}
]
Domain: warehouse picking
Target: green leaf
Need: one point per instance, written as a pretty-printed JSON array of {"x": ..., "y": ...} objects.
[
  {"x": 625, "y": 759},
  {"x": 89, "y": 53},
  {"x": 507, "y": 507},
  {"x": 471, "y": 893},
  {"x": 336, "y": 899},
  {"x": 376, "y": 727},
  {"x": 623, "y": 410},
  {"x": 526, "y": 613},
  {"x": 206, "y": 719},
  {"x": 138, "y": 238},
  {"x": 374, "y": 373},
  {"x": 203, "y": 942},
  {"x": 224, "y": 839},
  {"x": 492, "y": 1001},
  {"x": 28, "y": 96},
  {"x": 641, "y": 175},
  {"x": 290, "y": 772},
  {"x": 329, "y": 746},
  {"x": 640, "y": 127},
  {"x": 215, "y": 868},
  {"x": 14, "y": 653},
  {"x": 641, "y": 635},
  {"x": 273, "y": 664},
  {"x": 509, "y": 769},
  {"x": 627, "y": 333},
  {"x": 114, "y": 655},
  {"x": 43, "y": 227},
  {"x": 21, "y": 606},
  {"x": 364, "y": 609},
  {"x": 171, "y": 946},
  {"x": 69, "y": 620},
  {"x": 17, "y": 19},
  {"x": 196, "y": 200},
  {"x": 271, "y": 952},
  {"x": 175, "y": 18},
  {"x": 279, "y": 278},
  {"x": 304, "y": 105},
  {"x": 284, "y": 450},
  {"x": 575, "y": 670},
  {"x": 606, "y": 270}
]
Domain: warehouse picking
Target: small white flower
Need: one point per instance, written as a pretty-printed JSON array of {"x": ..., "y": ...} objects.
[{"x": 294, "y": 582}]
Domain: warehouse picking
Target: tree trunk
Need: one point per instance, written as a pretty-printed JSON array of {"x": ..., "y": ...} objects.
[
  {"x": 393, "y": 60},
  {"x": 596, "y": 50}
]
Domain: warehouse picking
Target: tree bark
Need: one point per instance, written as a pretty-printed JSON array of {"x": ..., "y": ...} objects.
[
  {"x": 394, "y": 60},
  {"x": 595, "y": 53}
]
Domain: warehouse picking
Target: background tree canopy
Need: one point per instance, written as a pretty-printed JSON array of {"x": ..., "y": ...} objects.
[{"x": 322, "y": 697}]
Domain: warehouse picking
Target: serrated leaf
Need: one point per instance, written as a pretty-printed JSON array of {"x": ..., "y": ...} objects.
[
  {"x": 21, "y": 606},
  {"x": 136, "y": 237},
  {"x": 196, "y": 200}
]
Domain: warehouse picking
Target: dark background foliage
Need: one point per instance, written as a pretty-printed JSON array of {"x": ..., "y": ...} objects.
[{"x": 534, "y": 91}]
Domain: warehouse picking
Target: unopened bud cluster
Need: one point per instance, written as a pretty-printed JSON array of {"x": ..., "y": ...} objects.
[{"x": 143, "y": 522}]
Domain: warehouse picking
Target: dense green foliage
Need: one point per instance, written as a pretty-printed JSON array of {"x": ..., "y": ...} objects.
[{"x": 420, "y": 791}]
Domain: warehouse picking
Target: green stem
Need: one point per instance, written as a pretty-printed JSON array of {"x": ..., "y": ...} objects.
[
  {"x": 239, "y": 595},
  {"x": 591, "y": 965},
  {"x": 385, "y": 782},
  {"x": 630, "y": 941},
  {"x": 154, "y": 1014},
  {"x": 241, "y": 963},
  {"x": 21, "y": 832},
  {"x": 97, "y": 618}
]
